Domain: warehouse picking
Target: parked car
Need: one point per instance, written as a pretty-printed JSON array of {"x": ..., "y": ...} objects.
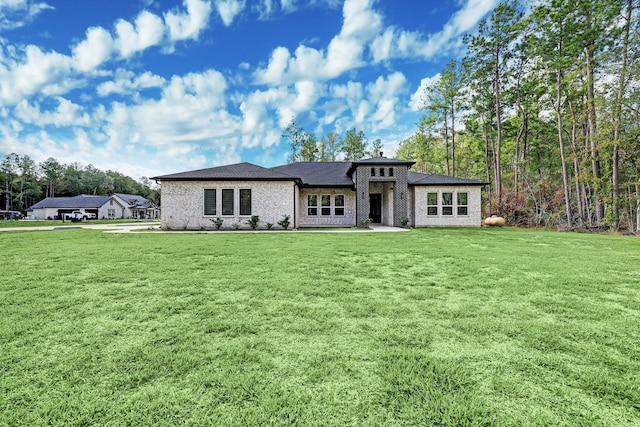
[
  {"x": 10, "y": 215},
  {"x": 80, "y": 215}
]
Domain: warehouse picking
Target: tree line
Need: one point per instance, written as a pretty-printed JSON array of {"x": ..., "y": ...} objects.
[
  {"x": 305, "y": 147},
  {"x": 23, "y": 182},
  {"x": 546, "y": 109}
]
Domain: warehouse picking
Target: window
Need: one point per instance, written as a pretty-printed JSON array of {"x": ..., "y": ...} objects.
[
  {"x": 227, "y": 201},
  {"x": 111, "y": 213},
  {"x": 463, "y": 203},
  {"x": 312, "y": 204},
  {"x": 245, "y": 202},
  {"x": 373, "y": 171},
  {"x": 447, "y": 204},
  {"x": 326, "y": 204},
  {"x": 381, "y": 171},
  {"x": 209, "y": 201},
  {"x": 390, "y": 171},
  {"x": 338, "y": 202},
  {"x": 432, "y": 204}
]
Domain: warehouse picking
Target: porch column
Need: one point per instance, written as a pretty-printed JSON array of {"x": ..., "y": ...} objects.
[{"x": 362, "y": 194}]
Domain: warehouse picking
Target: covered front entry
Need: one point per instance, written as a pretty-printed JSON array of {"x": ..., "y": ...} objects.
[{"x": 375, "y": 208}]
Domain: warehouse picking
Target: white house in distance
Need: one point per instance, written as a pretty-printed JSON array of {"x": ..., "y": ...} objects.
[
  {"x": 117, "y": 206},
  {"x": 316, "y": 194}
]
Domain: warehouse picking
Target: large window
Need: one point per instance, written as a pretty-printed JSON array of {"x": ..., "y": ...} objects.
[
  {"x": 209, "y": 201},
  {"x": 111, "y": 213},
  {"x": 312, "y": 204},
  {"x": 227, "y": 201},
  {"x": 432, "y": 204},
  {"x": 326, "y": 205},
  {"x": 245, "y": 202},
  {"x": 338, "y": 201},
  {"x": 463, "y": 203},
  {"x": 447, "y": 204}
]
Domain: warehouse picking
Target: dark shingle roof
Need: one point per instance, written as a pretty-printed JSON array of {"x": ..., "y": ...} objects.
[
  {"x": 319, "y": 174},
  {"x": 379, "y": 161},
  {"x": 134, "y": 200},
  {"x": 238, "y": 171},
  {"x": 384, "y": 161},
  {"x": 82, "y": 201},
  {"x": 416, "y": 178}
]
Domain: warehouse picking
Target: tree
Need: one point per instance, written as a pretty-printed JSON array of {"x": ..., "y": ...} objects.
[
  {"x": 52, "y": 172},
  {"x": 623, "y": 79},
  {"x": 443, "y": 103},
  {"x": 330, "y": 147},
  {"x": 309, "y": 151},
  {"x": 28, "y": 189},
  {"x": 355, "y": 145},
  {"x": 294, "y": 134},
  {"x": 9, "y": 170},
  {"x": 376, "y": 148},
  {"x": 490, "y": 52},
  {"x": 554, "y": 44}
]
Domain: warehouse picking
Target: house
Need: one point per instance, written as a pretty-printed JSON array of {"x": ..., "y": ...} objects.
[
  {"x": 138, "y": 206},
  {"x": 105, "y": 207},
  {"x": 313, "y": 194}
]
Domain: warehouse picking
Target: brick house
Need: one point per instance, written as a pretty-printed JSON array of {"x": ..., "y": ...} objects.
[
  {"x": 115, "y": 206},
  {"x": 316, "y": 194}
]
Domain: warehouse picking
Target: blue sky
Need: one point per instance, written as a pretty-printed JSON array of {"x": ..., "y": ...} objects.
[{"x": 149, "y": 87}]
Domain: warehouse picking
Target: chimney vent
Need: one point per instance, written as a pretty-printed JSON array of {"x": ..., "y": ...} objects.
[{"x": 381, "y": 154}]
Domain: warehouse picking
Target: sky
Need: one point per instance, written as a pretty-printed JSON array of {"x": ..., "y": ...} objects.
[{"x": 152, "y": 87}]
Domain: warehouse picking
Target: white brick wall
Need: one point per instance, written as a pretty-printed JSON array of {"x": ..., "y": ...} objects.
[
  {"x": 421, "y": 219},
  {"x": 183, "y": 203},
  {"x": 347, "y": 220}
]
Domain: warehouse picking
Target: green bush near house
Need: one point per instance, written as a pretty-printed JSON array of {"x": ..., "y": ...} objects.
[
  {"x": 285, "y": 221},
  {"x": 253, "y": 222},
  {"x": 217, "y": 222},
  {"x": 448, "y": 327}
]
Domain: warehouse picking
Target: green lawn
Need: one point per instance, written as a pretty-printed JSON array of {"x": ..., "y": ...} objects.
[
  {"x": 438, "y": 327},
  {"x": 52, "y": 223}
]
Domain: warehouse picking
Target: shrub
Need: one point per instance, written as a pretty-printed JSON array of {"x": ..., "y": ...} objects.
[
  {"x": 269, "y": 226},
  {"x": 404, "y": 221},
  {"x": 364, "y": 222},
  {"x": 235, "y": 225},
  {"x": 217, "y": 222},
  {"x": 253, "y": 221},
  {"x": 284, "y": 222}
]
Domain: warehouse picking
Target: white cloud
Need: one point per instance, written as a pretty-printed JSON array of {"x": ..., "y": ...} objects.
[
  {"x": 18, "y": 13},
  {"x": 94, "y": 50},
  {"x": 33, "y": 71},
  {"x": 229, "y": 9},
  {"x": 38, "y": 72},
  {"x": 385, "y": 94},
  {"x": 126, "y": 82},
  {"x": 394, "y": 43},
  {"x": 148, "y": 31},
  {"x": 66, "y": 114},
  {"x": 418, "y": 97},
  {"x": 344, "y": 52},
  {"x": 184, "y": 26}
]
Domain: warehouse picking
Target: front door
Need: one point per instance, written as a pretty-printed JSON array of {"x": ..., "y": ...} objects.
[{"x": 375, "y": 208}]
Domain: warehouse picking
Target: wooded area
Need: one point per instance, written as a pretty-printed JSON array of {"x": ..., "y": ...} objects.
[
  {"x": 23, "y": 182},
  {"x": 545, "y": 108}
]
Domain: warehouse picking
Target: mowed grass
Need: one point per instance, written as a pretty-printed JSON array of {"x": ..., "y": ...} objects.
[
  {"x": 436, "y": 327},
  {"x": 23, "y": 223}
]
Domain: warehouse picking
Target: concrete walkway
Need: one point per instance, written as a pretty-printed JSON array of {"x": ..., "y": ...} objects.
[{"x": 125, "y": 228}]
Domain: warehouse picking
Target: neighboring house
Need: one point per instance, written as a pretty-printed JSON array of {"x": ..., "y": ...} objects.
[
  {"x": 138, "y": 206},
  {"x": 315, "y": 194},
  {"x": 123, "y": 206}
]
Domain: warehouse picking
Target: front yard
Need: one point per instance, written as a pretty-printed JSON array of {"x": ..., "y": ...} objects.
[{"x": 441, "y": 327}]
